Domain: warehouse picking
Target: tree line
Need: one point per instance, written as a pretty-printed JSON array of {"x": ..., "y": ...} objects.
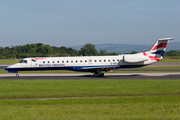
[{"x": 42, "y": 50}]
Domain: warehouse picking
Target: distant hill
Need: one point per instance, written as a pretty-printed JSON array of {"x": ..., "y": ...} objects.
[{"x": 127, "y": 48}]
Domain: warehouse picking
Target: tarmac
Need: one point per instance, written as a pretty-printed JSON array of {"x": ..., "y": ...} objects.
[{"x": 88, "y": 76}]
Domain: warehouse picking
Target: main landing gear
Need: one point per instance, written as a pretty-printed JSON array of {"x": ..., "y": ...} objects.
[{"x": 98, "y": 73}]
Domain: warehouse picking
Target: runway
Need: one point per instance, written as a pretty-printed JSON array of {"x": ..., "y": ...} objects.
[
  {"x": 88, "y": 76},
  {"x": 3, "y": 66}
]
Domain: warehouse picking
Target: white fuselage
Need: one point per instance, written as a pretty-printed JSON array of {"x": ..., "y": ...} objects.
[{"x": 87, "y": 63}]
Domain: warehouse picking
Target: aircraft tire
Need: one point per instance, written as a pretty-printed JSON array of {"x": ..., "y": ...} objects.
[
  {"x": 102, "y": 74},
  {"x": 17, "y": 75}
]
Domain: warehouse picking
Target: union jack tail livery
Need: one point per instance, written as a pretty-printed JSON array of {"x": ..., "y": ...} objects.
[{"x": 158, "y": 49}]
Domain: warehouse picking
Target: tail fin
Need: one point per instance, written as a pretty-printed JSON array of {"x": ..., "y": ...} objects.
[{"x": 158, "y": 49}]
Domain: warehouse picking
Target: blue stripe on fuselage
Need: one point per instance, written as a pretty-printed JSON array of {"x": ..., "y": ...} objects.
[{"x": 73, "y": 68}]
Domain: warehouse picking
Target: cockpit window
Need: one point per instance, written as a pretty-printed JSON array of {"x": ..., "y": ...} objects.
[{"x": 23, "y": 61}]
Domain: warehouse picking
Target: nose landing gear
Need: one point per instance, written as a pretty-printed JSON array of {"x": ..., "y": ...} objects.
[{"x": 17, "y": 75}]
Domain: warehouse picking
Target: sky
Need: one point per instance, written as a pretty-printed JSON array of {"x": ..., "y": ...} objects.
[{"x": 77, "y": 22}]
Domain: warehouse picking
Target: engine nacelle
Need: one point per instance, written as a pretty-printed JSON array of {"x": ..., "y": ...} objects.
[{"x": 134, "y": 58}]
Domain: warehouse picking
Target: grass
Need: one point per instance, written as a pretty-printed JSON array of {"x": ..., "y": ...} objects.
[
  {"x": 90, "y": 99},
  {"x": 93, "y": 99},
  {"x": 169, "y": 60},
  {"x": 9, "y": 61},
  {"x": 23, "y": 89},
  {"x": 133, "y": 108}
]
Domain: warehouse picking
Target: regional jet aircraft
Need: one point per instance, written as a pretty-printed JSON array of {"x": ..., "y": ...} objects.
[{"x": 95, "y": 64}]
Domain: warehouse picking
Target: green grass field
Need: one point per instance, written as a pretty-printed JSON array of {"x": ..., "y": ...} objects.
[
  {"x": 11, "y": 89},
  {"x": 169, "y": 60},
  {"x": 9, "y": 61},
  {"x": 124, "y": 108},
  {"x": 89, "y": 99}
]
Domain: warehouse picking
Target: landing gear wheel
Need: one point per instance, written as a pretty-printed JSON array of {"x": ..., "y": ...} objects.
[
  {"x": 17, "y": 75},
  {"x": 102, "y": 74}
]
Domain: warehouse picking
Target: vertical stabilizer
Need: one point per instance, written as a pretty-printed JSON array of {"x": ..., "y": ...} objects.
[{"x": 158, "y": 49}]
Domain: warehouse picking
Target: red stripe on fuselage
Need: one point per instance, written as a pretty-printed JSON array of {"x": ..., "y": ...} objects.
[
  {"x": 154, "y": 58},
  {"x": 164, "y": 45},
  {"x": 38, "y": 58},
  {"x": 144, "y": 53}
]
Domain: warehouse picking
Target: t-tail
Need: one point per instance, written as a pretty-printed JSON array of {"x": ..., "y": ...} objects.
[{"x": 158, "y": 49}]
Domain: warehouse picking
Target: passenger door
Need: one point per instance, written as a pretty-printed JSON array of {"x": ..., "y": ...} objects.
[{"x": 33, "y": 63}]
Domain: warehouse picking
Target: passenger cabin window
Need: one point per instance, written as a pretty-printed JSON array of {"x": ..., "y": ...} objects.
[
  {"x": 71, "y": 61},
  {"x": 85, "y": 60},
  {"x": 117, "y": 59},
  {"x": 57, "y": 61},
  {"x": 95, "y": 60},
  {"x": 53, "y": 62},
  {"x": 76, "y": 61},
  {"x": 80, "y": 60},
  {"x": 109, "y": 60},
  {"x": 104, "y": 60},
  {"x": 67, "y": 61},
  {"x": 99, "y": 60},
  {"x": 113, "y": 60},
  {"x": 89, "y": 60},
  {"x": 48, "y": 61},
  {"x": 62, "y": 61},
  {"x": 43, "y": 61}
]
